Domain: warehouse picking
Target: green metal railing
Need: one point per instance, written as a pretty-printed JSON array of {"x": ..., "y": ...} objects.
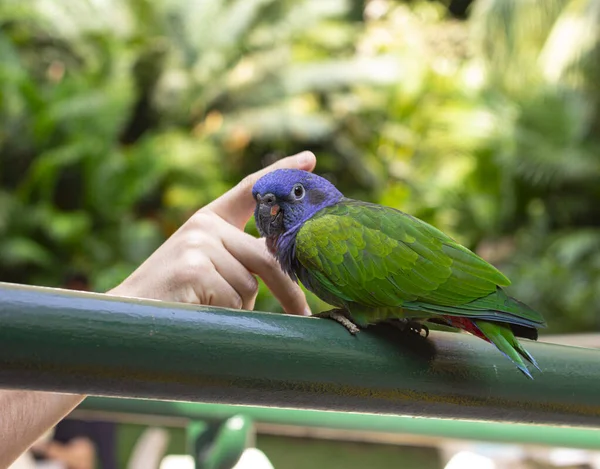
[
  {"x": 95, "y": 344},
  {"x": 68, "y": 341},
  {"x": 400, "y": 426},
  {"x": 219, "y": 446}
]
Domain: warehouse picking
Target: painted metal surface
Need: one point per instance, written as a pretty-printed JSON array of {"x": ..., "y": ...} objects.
[
  {"x": 220, "y": 446},
  {"x": 235, "y": 435},
  {"x": 571, "y": 437},
  {"x": 95, "y": 344}
]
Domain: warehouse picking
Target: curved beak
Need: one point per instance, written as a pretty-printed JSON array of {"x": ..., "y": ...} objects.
[{"x": 268, "y": 215}]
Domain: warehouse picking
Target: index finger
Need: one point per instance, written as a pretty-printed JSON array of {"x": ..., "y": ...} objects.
[
  {"x": 237, "y": 205},
  {"x": 288, "y": 293},
  {"x": 252, "y": 253}
]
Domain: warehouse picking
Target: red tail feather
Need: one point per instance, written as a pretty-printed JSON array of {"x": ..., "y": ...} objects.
[{"x": 466, "y": 325}]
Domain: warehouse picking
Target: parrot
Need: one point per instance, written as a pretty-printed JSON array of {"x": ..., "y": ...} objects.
[{"x": 376, "y": 264}]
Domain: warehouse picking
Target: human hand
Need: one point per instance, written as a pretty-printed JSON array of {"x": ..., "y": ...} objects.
[
  {"x": 209, "y": 260},
  {"x": 78, "y": 453}
]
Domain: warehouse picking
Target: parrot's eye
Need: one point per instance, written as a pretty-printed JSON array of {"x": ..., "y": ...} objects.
[{"x": 298, "y": 191}]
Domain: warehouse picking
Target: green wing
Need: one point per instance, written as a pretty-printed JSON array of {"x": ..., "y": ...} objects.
[{"x": 377, "y": 256}]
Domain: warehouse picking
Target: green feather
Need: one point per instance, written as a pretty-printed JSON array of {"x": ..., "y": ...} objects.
[
  {"x": 497, "y": 306},
  {"x": 504, "y": 339},
  {"x": 382, "y": 257},
  {"x": 380, "y": 263}
]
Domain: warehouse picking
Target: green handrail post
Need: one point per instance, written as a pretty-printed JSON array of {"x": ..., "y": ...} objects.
[
  {"x": 219, "y": 445},
  {"x": 234, "y": 436},
  {"x": 95, "y": 344}
]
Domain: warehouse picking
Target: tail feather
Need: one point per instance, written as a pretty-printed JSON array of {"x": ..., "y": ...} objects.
[
  {"x": 497, "y": 306},
  {"x": 503, "y": 338},
  {"x": 526, "y": 355},
  {"x": 497, "y": 318}
]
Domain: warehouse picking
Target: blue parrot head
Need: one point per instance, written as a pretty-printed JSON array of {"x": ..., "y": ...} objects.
[{"x": 286, "y": 198}]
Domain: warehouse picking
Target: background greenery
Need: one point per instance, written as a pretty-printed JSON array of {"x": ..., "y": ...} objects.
[{"x": 119, "y": 118}]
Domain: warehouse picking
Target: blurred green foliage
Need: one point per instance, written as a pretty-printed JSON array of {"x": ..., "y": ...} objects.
[{"x": 119, "y": 118}]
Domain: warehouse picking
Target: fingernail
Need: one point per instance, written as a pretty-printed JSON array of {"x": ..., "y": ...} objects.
[
  {"x": 305, "y": 157},
  {"x": 307, "y": 311}
]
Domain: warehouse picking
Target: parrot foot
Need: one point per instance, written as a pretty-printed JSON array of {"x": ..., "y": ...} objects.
[
  {"x": 410, "y": 325},
  {"x": 340, "y": 316}
]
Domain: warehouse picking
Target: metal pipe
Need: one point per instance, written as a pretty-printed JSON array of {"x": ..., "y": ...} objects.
[
  {"x": 401, "y": 426},
  {"x": 95, "y": 344}
]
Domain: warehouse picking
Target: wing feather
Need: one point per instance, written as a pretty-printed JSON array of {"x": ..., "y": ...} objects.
[{"x": 379, "y": 256}]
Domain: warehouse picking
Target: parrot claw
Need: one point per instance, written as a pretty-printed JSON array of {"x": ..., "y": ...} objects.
[
  {"x": 423, "y": 328},
  {"x": 340, "y": 316},
  {"x": 410, "y": 325}
]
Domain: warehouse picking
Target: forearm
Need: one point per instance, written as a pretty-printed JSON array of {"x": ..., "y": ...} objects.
[{"x": 26, "y": 415}]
